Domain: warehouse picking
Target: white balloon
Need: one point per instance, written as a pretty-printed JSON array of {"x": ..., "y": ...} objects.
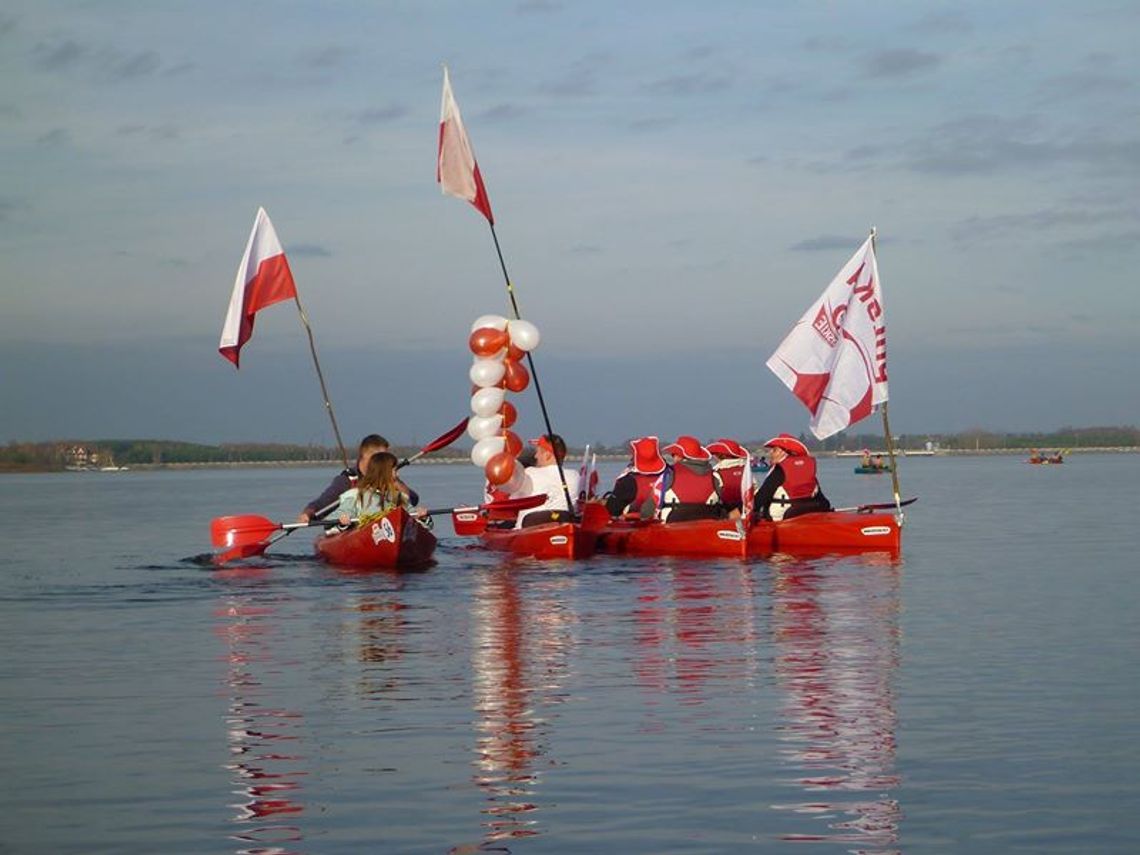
[
  {"x": 485, "y": 449},
  {"x": 481, "y": 427},
  {"x": 517, "y": 480},
  {"x": 495, "y": 322},
  {"x": 524, "y": 335},
  {"x": 486, "y": 372},
  {"x": 487, "y": 402}
]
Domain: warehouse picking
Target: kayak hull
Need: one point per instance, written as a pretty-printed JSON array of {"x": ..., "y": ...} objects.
[
  {"x": 394, "y": 541},
  {"x": 696, "y": 538},
  {"x": 833, "y": 530},
  {"x": 871, "y": 470},
  {"x": 548, "y": 540}
]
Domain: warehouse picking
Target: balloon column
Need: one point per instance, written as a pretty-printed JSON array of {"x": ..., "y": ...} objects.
[{"x": 498, "y": 346}]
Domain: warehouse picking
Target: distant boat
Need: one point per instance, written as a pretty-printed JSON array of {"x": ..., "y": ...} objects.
[{"x": 113, "y": 468}]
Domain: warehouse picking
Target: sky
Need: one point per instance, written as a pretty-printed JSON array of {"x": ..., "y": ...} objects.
[{"x": 673, "y": 183}]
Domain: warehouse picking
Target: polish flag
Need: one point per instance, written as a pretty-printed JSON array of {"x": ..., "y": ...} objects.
[
  {"x": 835, "y": 358},
  {"x": 263, "y": 278},
  {"x": 456, "y": 169}
]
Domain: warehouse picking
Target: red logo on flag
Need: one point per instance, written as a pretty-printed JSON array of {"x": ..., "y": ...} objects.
[{"x": 822, "y": 325}]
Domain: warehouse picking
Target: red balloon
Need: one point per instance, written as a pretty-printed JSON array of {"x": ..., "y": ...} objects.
[
  {"x": 513, "y": 352},
  {"x": 512, "y": 444},
  {"x": 509, "y": 413},
  {"x": 516, "y": 377},
  {"x": 500, "y": 468},
  {"x": 487, "y": 342}
]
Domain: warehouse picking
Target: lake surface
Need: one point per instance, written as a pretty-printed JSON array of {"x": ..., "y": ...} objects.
[{"x": 978, "y": 694}]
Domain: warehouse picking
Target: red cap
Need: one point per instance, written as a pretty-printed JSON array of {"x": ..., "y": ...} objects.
[
  {"x": 647, "y": 459},
  {"x": 727, "y": 448},
  {"x": 542, "y": 442},
  {"x": 688, "y": 447},
  {"x": 789, "y": 444}
]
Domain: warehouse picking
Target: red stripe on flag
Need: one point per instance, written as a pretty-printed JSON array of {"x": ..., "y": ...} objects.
[{"x": 272, "y": 283}]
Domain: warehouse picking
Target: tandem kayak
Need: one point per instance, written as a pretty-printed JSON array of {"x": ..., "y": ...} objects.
[
  {"x": 394, "y": 540},
  {"x": 820, "y": 532},
  {"x": 871, "y": 470}
]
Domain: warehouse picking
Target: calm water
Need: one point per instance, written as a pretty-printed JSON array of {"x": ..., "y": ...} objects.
[{"x": 980, "y": 694}]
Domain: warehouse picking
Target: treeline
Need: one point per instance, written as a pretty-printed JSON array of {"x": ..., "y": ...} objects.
[
  {"x": 94, "y": 454},
  {"x": 1067, "y": 437}
]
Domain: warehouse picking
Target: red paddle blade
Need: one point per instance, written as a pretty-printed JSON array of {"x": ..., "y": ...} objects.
[
  {"x": 594, "y": 516},
  {"x": 446, "y": 439},
  {"x": 522, "y": 503},
  {"x": 240, "y": 530},
  {"x": 236, "y": 553}
]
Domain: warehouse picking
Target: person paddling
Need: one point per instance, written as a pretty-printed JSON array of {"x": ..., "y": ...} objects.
[
  {"x": 632, "y": 493},
  {"x": 544, "y": 477},
  {"x": 791, "y": 488},
  {"x": 690, "y": 488},
  {"x": 346, "y": 479},
  {"x": 733, "y": 467},
  {"x": 376, "y": 492}
]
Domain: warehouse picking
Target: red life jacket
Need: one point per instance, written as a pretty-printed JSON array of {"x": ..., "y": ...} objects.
[
  {"x": 644, "y": 488},
  {"x": 731, "y": 477},
  {"x": 691, "y": 487},
  {"x": 799, "y": 477}
]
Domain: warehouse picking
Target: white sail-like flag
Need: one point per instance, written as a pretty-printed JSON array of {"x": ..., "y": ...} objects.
[{"x": 835, "y": 357}]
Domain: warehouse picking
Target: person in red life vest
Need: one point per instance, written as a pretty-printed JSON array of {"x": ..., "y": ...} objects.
[
  {"x": 545, "y": 477},
  {"x": 690, "y": 488},
  {"x": 632, "y": 493},
  {"x": 734, "y": 468},
  {"x": 791, "y": 488},
  {"x": 327, "y": 501}
]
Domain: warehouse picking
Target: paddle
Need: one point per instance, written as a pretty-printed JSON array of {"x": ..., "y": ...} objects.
[
  {"x": 882, "y": 506},
  {"x": 436, "y": 444}
]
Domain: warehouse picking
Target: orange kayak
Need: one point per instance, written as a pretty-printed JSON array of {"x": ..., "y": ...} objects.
[{"x": 395, "y": 540}]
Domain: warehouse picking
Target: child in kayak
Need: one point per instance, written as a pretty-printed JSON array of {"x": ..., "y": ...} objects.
[{"x": 377, "y": 492}]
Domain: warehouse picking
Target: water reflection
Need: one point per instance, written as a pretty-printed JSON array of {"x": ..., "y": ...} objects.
[
  {"x": 266, "y": 762},
  {"x": 836, "y": 634},
  {"x": 695, "y": 631},
  {"x": 524, "y": 633}
]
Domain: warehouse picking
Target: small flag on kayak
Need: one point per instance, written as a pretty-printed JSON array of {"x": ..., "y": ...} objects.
[
  {"x": 263, "y": 278},
  {"x": 835, "y": 357},
  {"x": 456, "y": 169}
]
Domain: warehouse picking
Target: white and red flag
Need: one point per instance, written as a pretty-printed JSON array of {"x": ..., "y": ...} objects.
[
  {"x": 263, "y": 278},
  {"x": 835, "y": 357},
  {"x": 456, "y": 169}
]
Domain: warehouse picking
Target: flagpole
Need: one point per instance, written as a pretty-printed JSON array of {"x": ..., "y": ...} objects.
[
  {"x": 886, "y": 421},
  {"x": 533, "y": 370},
  {"x": 321, "y": 378}
]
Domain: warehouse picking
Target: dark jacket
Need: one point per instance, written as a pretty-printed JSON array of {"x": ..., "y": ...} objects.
[{"x": 345, "y": 479}]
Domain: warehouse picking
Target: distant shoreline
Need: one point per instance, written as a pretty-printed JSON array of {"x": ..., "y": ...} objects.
[{"x": 573, "y": 458}]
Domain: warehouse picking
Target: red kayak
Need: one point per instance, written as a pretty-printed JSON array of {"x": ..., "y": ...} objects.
[
  {"x": 832, "y": 530},
  {"x": 822, "y": 532},
  {"x": 698, "y": 538},
  {"x": 548, "y": 540},
  {"x": 394, "y": 540}
]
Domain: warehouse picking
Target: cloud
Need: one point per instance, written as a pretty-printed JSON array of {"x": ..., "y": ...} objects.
[
  {"x": 580, "y": 80},
  {"x": 902, "y": 62},
  {"x": 7, "y": 24},
  {"x": 1082, "y": 84},
  {"x": 1034, "y": 222},
  {"x": 330, "y": 56},
  {"x": 501, "y": 113},
  {"x": 308, "y": 250},
  {"x": 538, "y": 7},
  {"x": 989, "y": 144},
  {"x": 155, "y": 133},
  {"x": 941, "y": 23},
  {"x": 825, "y": 243},
  {"x": 698, "y": 83},
  {"x": 54, "y": 137},
  {"x": 652, "y": 123},
  {"x": 105, "y": 64},
  {"x": 379, "y": 115},
  {"x": 9, "y": 205},
  {"x": 585, "y": 249}
]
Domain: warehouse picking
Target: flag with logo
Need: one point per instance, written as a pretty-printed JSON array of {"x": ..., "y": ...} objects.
[{"x": 835, "y": 358}]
